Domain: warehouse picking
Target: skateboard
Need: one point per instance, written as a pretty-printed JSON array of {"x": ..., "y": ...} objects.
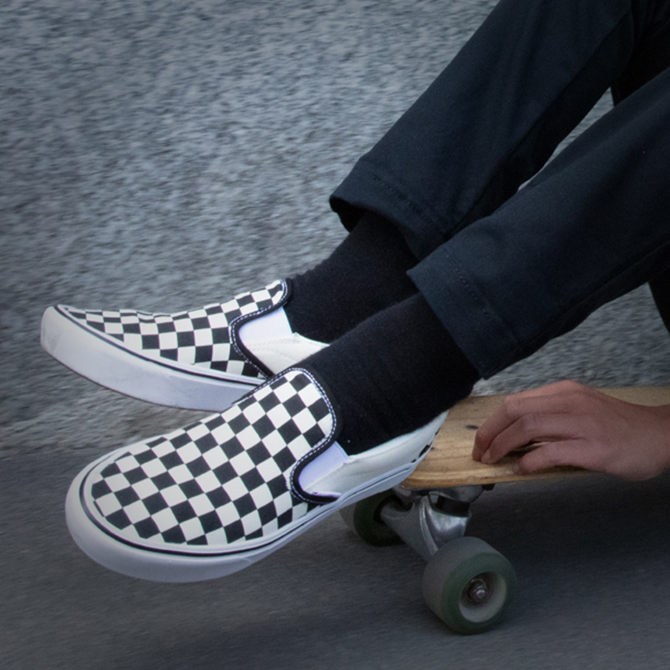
[{"x": 466, "y": 583}]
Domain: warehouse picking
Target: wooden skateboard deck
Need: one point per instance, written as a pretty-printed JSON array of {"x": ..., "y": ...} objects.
[{"x": 449, "y": 463}]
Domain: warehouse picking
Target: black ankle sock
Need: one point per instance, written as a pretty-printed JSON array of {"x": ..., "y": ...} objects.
[
  {"x": 393, "y": 374},
  {"x": 365, "y": 274}
]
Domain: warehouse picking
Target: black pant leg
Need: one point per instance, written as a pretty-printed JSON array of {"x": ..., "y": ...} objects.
[{"x": 592, "y": 226}]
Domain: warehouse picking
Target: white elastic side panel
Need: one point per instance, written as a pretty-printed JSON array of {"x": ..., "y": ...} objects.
[
  {"x": 272, "y": 341},
  {"x": 329, "y": 461},
  {"x": 269, "y": 326}
]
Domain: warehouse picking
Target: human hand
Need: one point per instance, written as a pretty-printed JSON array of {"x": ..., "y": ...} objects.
[{"x": 579, "y": 426}]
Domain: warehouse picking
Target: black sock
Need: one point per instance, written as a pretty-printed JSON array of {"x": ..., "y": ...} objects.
[
  {"x": 393, "y": 374},
  {"x": 364, "y": 275}
]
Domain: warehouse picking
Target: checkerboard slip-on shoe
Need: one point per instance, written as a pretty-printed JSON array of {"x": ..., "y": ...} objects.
[
  {"x": 213, "y": 498},
  {"x": 199, "y": 359}
]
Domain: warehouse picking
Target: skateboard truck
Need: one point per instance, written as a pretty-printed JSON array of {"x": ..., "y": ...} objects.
[{"x": 428, "y": 519}]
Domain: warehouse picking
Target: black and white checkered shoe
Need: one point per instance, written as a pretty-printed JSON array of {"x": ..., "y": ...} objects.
[
  {"x": 199, "y": 359},
  {"x": 223, "y": 493}
]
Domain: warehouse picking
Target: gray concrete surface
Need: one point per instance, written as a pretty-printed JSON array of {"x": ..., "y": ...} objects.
[
  {"x": 593, "y": 591},
  {"x": 160, "y": 154}
]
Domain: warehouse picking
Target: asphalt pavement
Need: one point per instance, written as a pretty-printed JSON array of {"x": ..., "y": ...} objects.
[{"x": 161, "y": 155}]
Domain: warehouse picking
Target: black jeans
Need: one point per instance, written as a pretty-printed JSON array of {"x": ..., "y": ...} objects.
[{"x": 506, "y": 268}]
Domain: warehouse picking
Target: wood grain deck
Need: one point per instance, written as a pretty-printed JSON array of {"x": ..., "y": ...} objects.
[{"x": 449, "y": 462}]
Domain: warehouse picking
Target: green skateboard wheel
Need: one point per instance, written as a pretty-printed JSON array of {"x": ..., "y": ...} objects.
[
  {"x": 469, "y": 585},
  {"x": 364, "y": 519}
]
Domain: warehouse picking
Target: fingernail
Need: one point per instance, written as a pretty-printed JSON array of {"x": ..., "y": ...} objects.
[{"x": 486, "y": 457}]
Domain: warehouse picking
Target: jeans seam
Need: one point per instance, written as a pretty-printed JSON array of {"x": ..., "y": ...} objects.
[{"x": 388, "y": 184}]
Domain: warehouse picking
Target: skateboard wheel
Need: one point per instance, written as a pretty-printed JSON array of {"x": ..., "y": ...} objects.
[
  {"x": 469, "y": 585},
  {"x": 364, "y": 519}
]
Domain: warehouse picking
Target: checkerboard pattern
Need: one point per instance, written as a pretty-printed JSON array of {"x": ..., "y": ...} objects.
[
  {"x": 224, "y": 479},
  {"x": 201, "y": 337}
]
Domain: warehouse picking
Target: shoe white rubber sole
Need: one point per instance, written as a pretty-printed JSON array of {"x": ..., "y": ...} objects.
[{"x": 99, "y": 359}]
